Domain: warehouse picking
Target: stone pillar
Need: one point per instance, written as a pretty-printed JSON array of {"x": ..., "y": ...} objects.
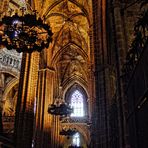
[
  {"x": 119, "y": 30},
  {"x": 55, "y": 132},
  {"x": 26, "y": 98},
  {"x": 1, "y": 122},
  {"x": 120, "y": 53},
  {"x": 99, "y": 113},
  {"x": 44, "y": 120},
  {"x": 1, "y": 101},
  {"x": 91, "y": 79}
]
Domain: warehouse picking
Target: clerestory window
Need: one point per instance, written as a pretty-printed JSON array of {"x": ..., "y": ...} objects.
[
  {"x": 77, "y": 102},
  {"x": 76, "y": 140}
]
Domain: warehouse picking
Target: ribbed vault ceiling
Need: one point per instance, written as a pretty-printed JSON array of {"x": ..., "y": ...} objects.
[{"x": 70, "y": 21}]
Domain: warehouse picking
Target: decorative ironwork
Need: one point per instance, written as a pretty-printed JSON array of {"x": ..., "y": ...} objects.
[
  {"x": 60, "y": 108},
  {"x": 68, "y": 132},
  {"x": 138, "y": 45},
  {"x": 26, "y": 33}
]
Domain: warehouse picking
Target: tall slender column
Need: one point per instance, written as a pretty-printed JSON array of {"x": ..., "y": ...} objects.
[
  {"x": 26, "y": 98},
  {"x": 118, "y": 24},
  {"x": 99, "y": 112},
  {"x": 55, "y": 133},
  {"x": 1, "y": 101},
  {"x": 120, "y": 52},
  {"x": 43, "y": 124},
  {"x": 1, "y": 122}
]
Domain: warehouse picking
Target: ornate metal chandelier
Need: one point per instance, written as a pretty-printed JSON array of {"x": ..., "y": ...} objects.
[
  {"x": 60, "y": 108},
  {"x": 25, "y": 33},
  {"x": 68, "y": 132}
]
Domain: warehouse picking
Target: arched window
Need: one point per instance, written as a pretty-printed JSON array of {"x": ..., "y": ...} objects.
[
  {"x": 77, "y": 104},
  {"x": 76, "y": 140}
]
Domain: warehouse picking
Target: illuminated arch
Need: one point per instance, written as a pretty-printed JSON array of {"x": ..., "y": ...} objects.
[{"x": 77, "y": 98}]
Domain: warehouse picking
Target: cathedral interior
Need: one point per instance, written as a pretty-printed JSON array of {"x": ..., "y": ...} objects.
[{"x": 88, "y": 88}]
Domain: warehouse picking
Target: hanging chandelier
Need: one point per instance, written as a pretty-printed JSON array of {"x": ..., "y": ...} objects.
[
  {"x": 68, "y": 132},
  {"x": 25, "y": 33},
  {"x": 60, "y": 108}
]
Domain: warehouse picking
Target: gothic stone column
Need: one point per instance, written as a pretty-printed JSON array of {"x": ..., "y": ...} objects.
[
  {"x": 55, "y": 132},
  {"x": 43, "y": 123},
  {"x": 99, "y": 113},
  {"x": 26, "y": 98},
  {"x": 120, "y": 52},
  {"x": 1, "y": 100}
]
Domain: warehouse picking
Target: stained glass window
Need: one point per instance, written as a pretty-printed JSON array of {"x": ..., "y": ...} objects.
[
  {"x": 76, "y": 140},
  {"x": 77, "y": 104}
]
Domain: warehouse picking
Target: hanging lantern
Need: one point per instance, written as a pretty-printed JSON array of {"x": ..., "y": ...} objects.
[{"x": 60, "y": 108}]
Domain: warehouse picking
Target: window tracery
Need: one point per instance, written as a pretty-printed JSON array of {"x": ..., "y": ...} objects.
[{"x": 77, "y": 104}]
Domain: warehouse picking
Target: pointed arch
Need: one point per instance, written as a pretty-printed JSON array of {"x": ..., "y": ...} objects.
[
  {"x": 77, "y": 97},
  {"x": 64, "y": 49}
]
